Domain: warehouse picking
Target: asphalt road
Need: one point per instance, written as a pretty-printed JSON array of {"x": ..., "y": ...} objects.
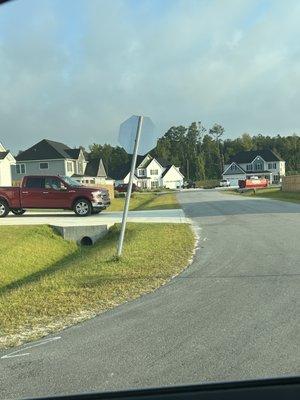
[{"x": 234, "y": 314}]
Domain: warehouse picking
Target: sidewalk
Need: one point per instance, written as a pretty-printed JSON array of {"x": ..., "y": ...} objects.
[{"x": 68, "y": 218}]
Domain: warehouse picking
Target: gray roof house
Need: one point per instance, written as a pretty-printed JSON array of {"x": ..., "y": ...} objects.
[
  {"x": 49, "y": 158},
  {"x": 54, "y": 158},
  {"x": 261, "y": 163}
]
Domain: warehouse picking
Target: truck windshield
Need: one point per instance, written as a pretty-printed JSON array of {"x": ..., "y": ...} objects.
[{"x": 71, "y": 182}]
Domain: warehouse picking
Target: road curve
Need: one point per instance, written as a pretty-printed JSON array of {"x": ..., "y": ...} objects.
[{"x": 231, "y": 315}]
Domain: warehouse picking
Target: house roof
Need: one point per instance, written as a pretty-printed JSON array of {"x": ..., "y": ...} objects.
[
  {"x": 95, "y": 168},
  {"x": 3, "y": 154},
  {"x": 244, "y": 157},
  {"x": 120, "y": 172},
  {"x": 48, "y": 150},
  {"x": 166, "y": 170},
  {"x": 164, "y": 163}
]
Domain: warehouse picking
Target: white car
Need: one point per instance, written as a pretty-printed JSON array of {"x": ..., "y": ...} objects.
[{"x": 224, "y": 183}]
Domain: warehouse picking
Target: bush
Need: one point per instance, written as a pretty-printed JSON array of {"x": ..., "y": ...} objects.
[{"x": 208, "y": 184}]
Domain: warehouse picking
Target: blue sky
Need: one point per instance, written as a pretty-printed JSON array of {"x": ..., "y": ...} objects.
[{"x": 73, "y": 70}]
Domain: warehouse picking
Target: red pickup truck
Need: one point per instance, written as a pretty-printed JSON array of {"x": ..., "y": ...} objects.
[{"x": 52, "y": 192}]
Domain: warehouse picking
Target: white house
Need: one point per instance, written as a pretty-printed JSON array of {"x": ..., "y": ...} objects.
[
  {"x": 261, "y": 163},
  {"x": 6, "y": 161},
  {"x": 151, "y": 173},
  {"x": 94, "y": 174}
]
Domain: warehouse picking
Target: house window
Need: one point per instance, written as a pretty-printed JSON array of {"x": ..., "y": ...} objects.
[
  {"x": 154, "y": 184},
  {"x": 35, "y": 183},
  {"x": 233, "y": 167},
  {"x": 44, "y": 165},
  {"x": 274, "y": 165},
  {"x": 142, "y": 172},
  {"x": 69, "y": 166},
  {"x": 258, "y": 167},
  {"x": 153, "y": 171},
  {"x": 21, "y": 169},
  {"x": 270, "y": 166},
  {"x": 249, "y": 167}
]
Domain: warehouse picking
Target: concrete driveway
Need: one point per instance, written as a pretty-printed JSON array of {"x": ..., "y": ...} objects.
[{"x": 234, "y": 314}]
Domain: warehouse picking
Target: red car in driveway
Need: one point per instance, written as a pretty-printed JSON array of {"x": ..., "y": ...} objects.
[{"x": 52, "y": 192}]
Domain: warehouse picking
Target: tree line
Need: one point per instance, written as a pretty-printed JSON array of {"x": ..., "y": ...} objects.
[{"x": 201, "y": 153}]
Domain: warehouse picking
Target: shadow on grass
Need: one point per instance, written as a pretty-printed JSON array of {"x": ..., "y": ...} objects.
[{"x": 71, "y": 260}]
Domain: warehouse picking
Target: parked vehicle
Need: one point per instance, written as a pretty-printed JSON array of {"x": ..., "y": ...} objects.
[
  {"x": 52, "y": 192},
  {"x": 122, "y": 187},
  {"x": 189, "y": 185},
  {"x": 224, "y": 183},
  {"x": 253, "y": 183}
]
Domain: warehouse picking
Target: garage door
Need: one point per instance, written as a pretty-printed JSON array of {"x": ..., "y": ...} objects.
[{"x": 234, "y": 181}]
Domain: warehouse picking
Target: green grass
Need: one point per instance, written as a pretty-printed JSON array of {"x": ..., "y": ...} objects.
[
  {"x": 47, "y": 283},
  {"x": 146, "y": 201},
  {"x": 272, "y": 193}
]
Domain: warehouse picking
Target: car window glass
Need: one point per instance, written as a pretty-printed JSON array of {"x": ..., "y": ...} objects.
[
  {"x": 35, "y": 183},
  {"x": 53, "y": 183}
]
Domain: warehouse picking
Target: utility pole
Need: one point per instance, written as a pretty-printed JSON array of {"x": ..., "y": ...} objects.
[{"x": 129, "y": 188}]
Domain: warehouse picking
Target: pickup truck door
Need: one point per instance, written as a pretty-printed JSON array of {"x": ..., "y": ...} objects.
[
  {"x": 32, "y": 192},
  {"x": 56, "y": 193}
]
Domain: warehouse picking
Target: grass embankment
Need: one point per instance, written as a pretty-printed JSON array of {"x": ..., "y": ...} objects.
[
  {"x": 47, "y": 283},
  {"x": 272, "y": 193},
  {"x": 146, "y": 201}
]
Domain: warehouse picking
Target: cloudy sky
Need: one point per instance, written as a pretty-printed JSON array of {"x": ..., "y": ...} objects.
[{"x": 73, "y": 70}]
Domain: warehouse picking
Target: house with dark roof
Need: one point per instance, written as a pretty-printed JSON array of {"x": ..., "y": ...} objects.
[
  {"x": 260, "y": 163},
  {"x": 94, "y": 174},
  {"x": 150, "y": 173},
  {"x": 6, "y": 162},
  {"x": 48, "y": 157}
]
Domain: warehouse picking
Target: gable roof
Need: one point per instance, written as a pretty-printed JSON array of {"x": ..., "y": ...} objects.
[
  {"x": 238, "y": 170},
  {"x": 244, "y": 157},
  {"x": 48, "y": 150},
  {"x": 3, "y": 154},
  {"x": 95, "y": 168},
  {"x": 168, "y": 169}
]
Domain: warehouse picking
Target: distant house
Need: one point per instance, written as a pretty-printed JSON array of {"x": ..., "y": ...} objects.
[
  {"x": 261, "y": 163},
  {"x": 150, "y": 173},
  {"x": 6, "y": 162},
  {"x": 54, "y": 158},
  {"x": 94, "y": 174},
  {"x": 49, "y": 158}
]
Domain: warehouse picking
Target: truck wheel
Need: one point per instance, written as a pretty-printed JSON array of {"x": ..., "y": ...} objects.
[
  {"x": 82, "y": 208},
  {"x": 4, "y": 210},
  {"x": 18, "y": 211}
]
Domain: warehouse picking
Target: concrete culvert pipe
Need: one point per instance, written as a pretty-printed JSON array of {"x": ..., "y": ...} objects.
[{"x": 86, "y": 241}]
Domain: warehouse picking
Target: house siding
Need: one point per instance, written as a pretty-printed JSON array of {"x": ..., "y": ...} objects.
[
  {"x": 56, "y": 167},
  {"x": 173, "y": 179},
  {"x": 5, "y": 172}
]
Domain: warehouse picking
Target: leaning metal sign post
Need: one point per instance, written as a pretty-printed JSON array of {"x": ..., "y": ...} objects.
[
  {"x": 136, "y": 136},
  {"x": 129, "y": 187}
]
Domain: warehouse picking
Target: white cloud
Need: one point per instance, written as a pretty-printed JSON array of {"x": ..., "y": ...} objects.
[{"x": 233, "y": 62}]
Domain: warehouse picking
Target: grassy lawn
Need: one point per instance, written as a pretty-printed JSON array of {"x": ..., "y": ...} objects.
[
  {"x": 146, "y": 201},
  {"x": 274, "y": 193},
  {"x": 47, "y": 283}
]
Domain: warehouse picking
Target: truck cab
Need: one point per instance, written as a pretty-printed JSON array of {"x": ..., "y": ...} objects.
[{"x": 52, "y": 192}]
